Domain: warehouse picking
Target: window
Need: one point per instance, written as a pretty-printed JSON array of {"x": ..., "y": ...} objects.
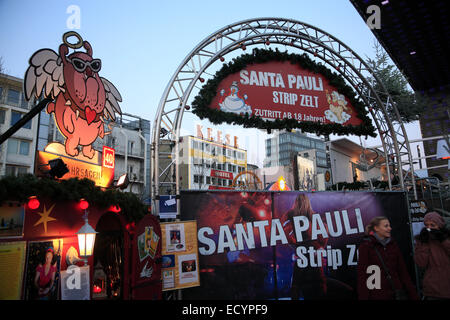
[
  {"x": 198, "y": 179},
  {"x": 43, "y": 131},
  {"x": 15, "y": 170},
  {"x": 13, "y": 145},
  {"x": 111, "y": 141},
  {"x": 16, "y": 116},
  {"x": 13, "y": 96},
  {"x": 2, "y": 115},
  {"x": 208, "y": 180},
  {"x": 130, "y": 147},
  {"x": 24, "y": 103},
  {"x": 42, "y": 143},
  {"x": 24, "y": 148},
  {"x": 10, "y": 170},
  {"x": 18, "y": 147}
]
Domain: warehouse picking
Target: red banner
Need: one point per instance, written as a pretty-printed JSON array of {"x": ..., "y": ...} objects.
[
  {"x": 281, "y": 90},
  {"x": 222, "y": 174},
  {"x": 219, "y": 188}
]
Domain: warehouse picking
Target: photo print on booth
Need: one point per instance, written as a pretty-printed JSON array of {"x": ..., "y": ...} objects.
[{"x": 43, "y": 270}]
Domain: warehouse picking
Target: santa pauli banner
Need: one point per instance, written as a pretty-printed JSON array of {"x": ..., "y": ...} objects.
[
  {"x": 280, "y": 90},
  {"x": 289, "y": 245}
]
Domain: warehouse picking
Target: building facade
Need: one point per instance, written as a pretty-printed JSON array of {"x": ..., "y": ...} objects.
[
  {"x": 351, "y": 162},
  {"x": 17, "y": 152},
  {"x": 208, "y": 165},
  {"x": 284, "y": 146},
  {"x": 435, "y": 126}
]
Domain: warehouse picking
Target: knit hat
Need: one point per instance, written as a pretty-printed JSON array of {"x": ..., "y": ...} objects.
[{"x": 435, "y": 217}]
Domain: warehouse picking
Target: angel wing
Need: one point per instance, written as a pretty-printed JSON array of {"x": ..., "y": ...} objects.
[
  {"x": 113, "y": 98},
  {"x": 44, "y": 73}
]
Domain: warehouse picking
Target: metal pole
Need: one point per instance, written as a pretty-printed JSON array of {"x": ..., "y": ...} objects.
[
  {"x": 27, "y": 117},
  {"x": 418, "y": 154}
]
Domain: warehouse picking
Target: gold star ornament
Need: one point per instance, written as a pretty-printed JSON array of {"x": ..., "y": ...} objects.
[{"x": 45, "y": 217}]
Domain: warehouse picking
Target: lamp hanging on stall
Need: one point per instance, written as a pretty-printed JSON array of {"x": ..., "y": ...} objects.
[
  {"x": 86, "y": 239},
  {"x": 33, "y": 203},
  {"x": 83, "y": 204}
]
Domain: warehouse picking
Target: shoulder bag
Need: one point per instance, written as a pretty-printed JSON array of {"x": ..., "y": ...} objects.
[{"x": 399, "y": 294}]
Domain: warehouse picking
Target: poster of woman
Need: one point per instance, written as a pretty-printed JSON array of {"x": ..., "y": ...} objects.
[{"x": 43, "y": 270}]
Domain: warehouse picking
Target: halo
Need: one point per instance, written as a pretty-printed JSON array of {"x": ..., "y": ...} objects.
[{"x": 76, "y": 45}]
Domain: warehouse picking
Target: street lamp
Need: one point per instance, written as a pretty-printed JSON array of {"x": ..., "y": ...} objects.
[{"x": 86, "y": 239}]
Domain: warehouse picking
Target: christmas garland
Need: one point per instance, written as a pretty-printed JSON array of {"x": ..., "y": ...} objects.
[
  {"x": 201, "y": 103},
  {"x": 22, "y": 187}
]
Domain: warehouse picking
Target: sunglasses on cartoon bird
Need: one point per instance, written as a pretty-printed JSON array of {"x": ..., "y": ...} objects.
[{"x": 81, "y": 65}]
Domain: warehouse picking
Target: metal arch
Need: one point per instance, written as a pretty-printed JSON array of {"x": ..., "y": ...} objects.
[{"x": 281, "y": 31}]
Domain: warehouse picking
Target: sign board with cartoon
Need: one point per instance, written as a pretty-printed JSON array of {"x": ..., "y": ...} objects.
[
  {"x": 279, "y": 90},
  {"x": 270, "y": 89},
  {"x": 83, "y": 101}
]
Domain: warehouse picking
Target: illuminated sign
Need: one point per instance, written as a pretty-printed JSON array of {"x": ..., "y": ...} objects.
[
  {"x": 93, "y": 170},
  {"x": 274, "y": 90},
  {"x": 209, "y": 136},
  {"x": 281, "y": 90},
  {"x": 222, "y": 174},
  {"x": 108, "y": 157},
  {"x": 83, "y": 104}
]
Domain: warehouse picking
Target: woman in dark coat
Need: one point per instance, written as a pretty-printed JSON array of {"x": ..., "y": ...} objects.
[
  {"x": 378, "y": 234},
  {"x": 432, "y": 253}
]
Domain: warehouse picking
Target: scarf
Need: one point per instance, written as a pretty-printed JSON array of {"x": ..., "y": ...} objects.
[{"x": 384, "y": 241}]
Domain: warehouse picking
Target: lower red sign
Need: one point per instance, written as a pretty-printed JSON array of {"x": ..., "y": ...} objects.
[{"x": 222, "y": 174}]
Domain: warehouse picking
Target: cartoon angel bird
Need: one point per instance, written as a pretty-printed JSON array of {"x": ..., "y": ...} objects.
[{"x": 82, "y": 99}]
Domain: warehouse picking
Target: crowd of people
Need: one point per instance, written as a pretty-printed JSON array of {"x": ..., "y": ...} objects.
[
  {"x": 382, "y": 273},
  {"x": 379, "y": 255}
]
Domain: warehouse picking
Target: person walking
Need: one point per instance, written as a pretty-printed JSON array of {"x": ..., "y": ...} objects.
[
  {"x": 432, "y": 253},
  {"x": 392, "y": 281}
]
